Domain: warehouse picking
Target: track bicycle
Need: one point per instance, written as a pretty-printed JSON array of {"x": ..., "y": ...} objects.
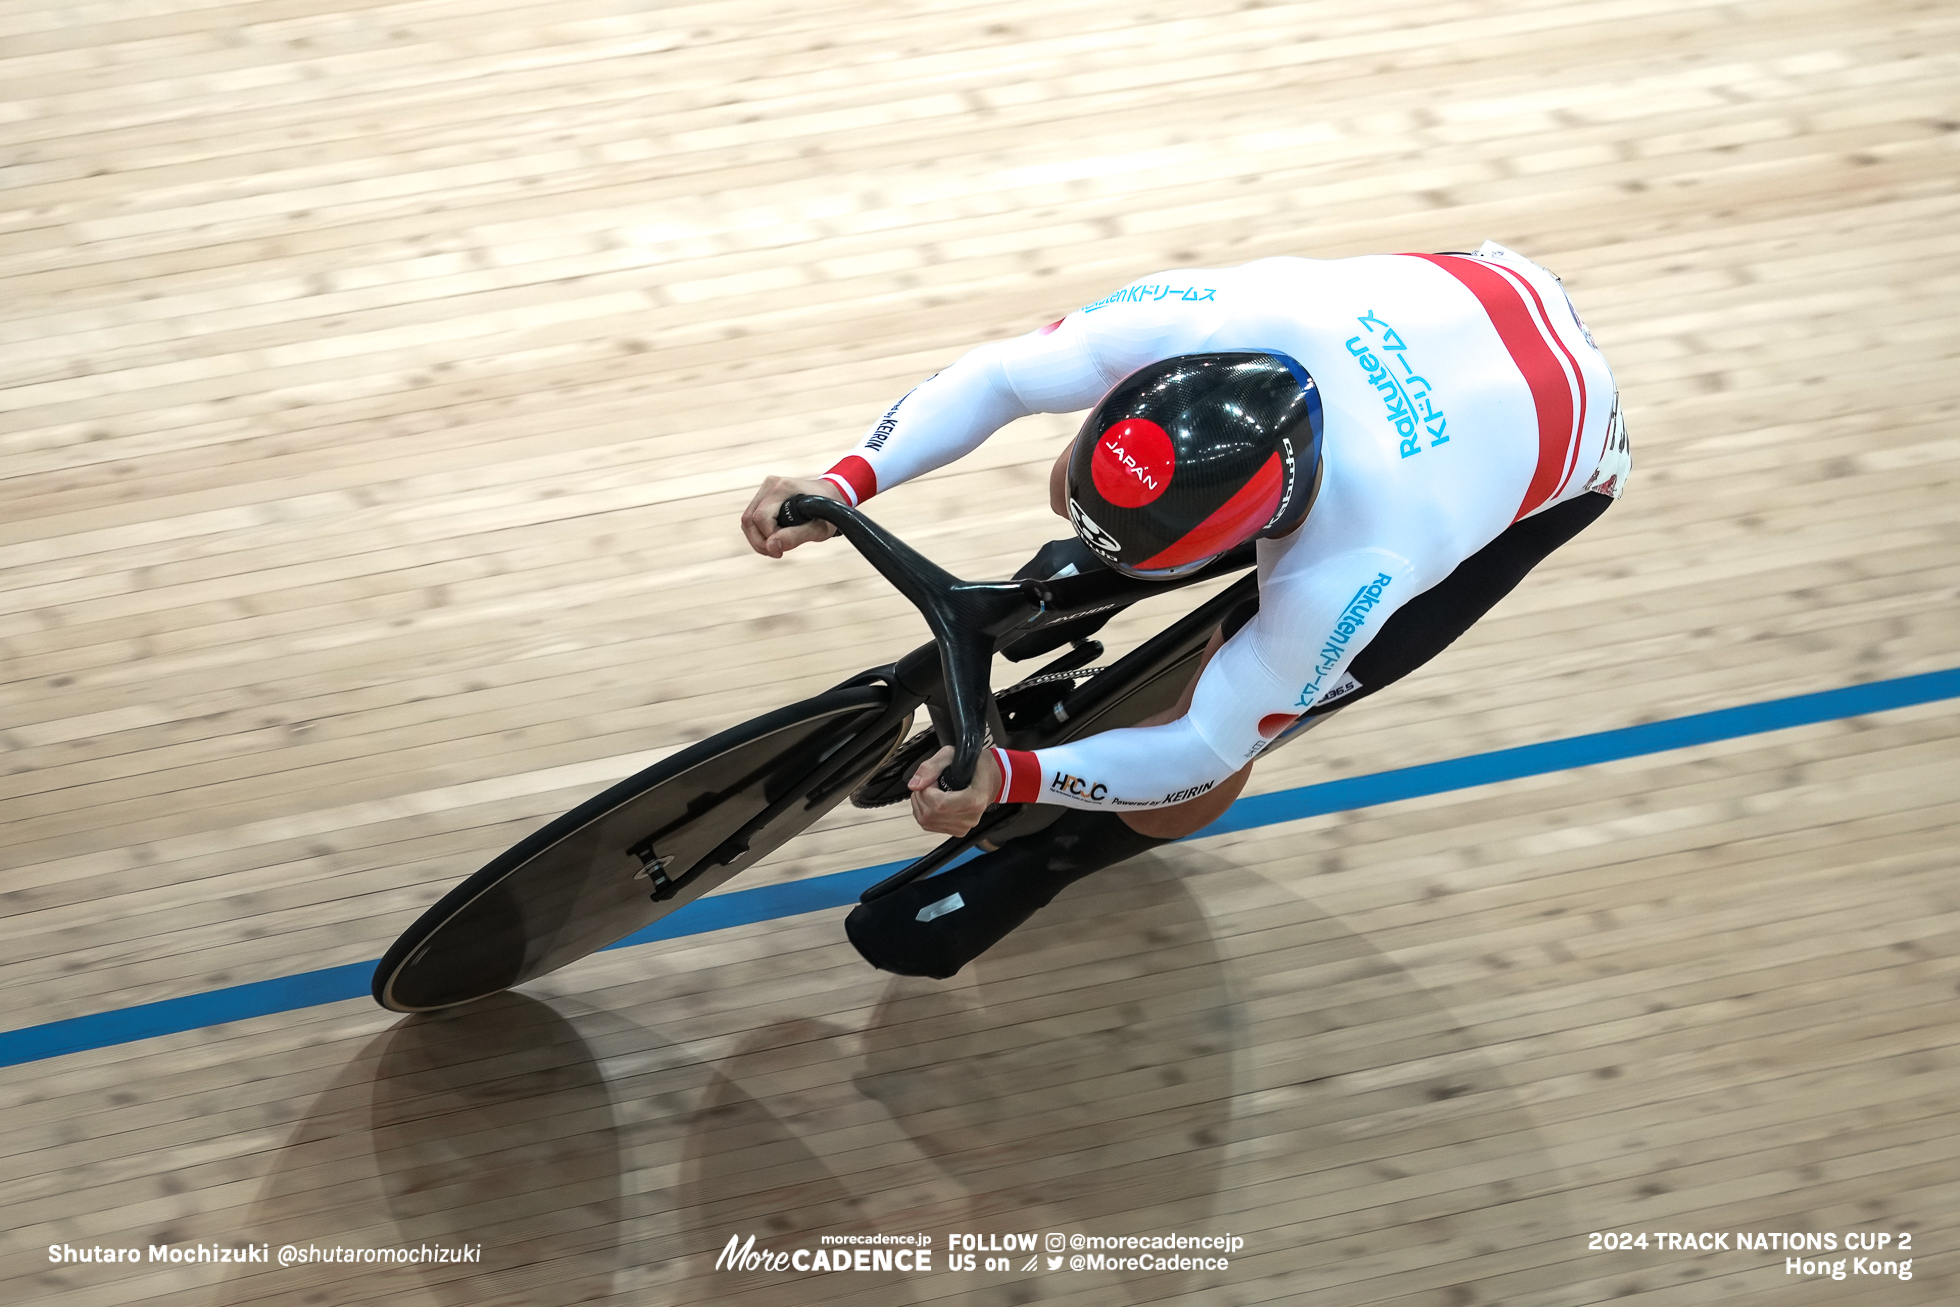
[{"x": 667, "y": 835}]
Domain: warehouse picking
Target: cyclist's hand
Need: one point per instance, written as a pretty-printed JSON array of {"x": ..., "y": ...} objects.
[
  {"x": 759, "y": 518},
  {"x": 954, "y": 812}
]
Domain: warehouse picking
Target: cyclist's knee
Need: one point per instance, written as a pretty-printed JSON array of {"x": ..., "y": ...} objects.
[
  {"x": 1183, "y": 704},
  {"x": 1181, "y": 819}
]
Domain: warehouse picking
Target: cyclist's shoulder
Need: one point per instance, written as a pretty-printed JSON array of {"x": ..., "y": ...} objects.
[
  {"x": 1394, "y": 264},
  {"x": 1365, "y": 511}
]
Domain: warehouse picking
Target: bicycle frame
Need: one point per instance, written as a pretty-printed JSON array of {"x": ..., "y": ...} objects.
[{"x": 589, "y": 877}]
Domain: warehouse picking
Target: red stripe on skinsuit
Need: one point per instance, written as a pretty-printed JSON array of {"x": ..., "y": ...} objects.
[
  {"x": 1020, "y": 776},
  {"x": 851, "y": 468},
  {"x": 1551, "y": 392},
  {"x": 1579, "y": 427}
]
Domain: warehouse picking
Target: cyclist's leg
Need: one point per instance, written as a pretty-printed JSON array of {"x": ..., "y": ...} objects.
[
  {"x": 935, "y": 926},
  {"x": 1431, "y": 622}
]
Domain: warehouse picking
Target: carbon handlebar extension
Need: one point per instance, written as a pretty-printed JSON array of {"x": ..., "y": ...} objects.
[{"x": 965, "y": 617}]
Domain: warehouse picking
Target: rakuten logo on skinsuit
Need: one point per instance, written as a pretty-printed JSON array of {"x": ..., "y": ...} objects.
[{"x": 1133, "y": 463}]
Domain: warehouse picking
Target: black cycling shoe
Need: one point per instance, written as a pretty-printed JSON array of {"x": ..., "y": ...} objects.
[{"x": 935, "y": 926}]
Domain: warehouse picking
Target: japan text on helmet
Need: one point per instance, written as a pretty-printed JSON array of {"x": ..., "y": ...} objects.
[{"x": 1189, "y": 457}]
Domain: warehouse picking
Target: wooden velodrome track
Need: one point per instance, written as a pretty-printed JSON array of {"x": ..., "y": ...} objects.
[{"x": 381, "y": 385}]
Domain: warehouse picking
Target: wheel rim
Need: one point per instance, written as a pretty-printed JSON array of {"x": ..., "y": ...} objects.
[{"x": 582, "y": 887}]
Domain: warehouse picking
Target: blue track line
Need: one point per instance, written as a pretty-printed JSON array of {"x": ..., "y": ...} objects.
[{"x": 766, "y": 903}]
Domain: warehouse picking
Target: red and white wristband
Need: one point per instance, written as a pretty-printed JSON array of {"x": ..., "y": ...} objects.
[
  {"x": 1020, "y": 776},
  {"x": 855, "y": 478}
]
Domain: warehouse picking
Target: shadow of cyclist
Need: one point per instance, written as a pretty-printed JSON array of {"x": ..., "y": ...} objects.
[
  {"x": 1180, "y": 1045},
  {"x": 1086, "y": 1058}
]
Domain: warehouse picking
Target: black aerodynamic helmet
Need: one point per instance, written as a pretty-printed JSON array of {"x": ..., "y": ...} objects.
[{"x": 1189, "y": 457}]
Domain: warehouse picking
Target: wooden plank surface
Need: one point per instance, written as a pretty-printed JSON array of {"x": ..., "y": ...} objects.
[{"x": 379, "y": 382}]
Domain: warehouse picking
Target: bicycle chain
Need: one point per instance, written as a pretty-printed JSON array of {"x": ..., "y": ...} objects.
[{"x": 1051, "y": 677}]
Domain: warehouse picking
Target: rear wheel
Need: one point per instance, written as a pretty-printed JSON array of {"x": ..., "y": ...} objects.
[{"x": 650, "y": 844}]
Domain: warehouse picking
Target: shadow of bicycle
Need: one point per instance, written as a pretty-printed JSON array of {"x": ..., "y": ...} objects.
[{"x": 491, "y": 1129}]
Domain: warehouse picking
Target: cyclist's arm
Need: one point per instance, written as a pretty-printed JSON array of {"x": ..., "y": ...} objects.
[
  {"x": 1063, "y": 367},
  {"x": 1292, "y": 654}
]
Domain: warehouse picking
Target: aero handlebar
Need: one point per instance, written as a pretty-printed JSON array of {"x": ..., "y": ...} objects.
[{"x": 965, "y": 617}]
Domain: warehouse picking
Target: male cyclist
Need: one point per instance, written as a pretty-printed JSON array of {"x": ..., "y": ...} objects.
[{"x": 1405, "y": 435}]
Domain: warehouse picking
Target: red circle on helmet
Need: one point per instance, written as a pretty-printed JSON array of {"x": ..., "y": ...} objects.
[{"x": 1133, "y": 463}]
